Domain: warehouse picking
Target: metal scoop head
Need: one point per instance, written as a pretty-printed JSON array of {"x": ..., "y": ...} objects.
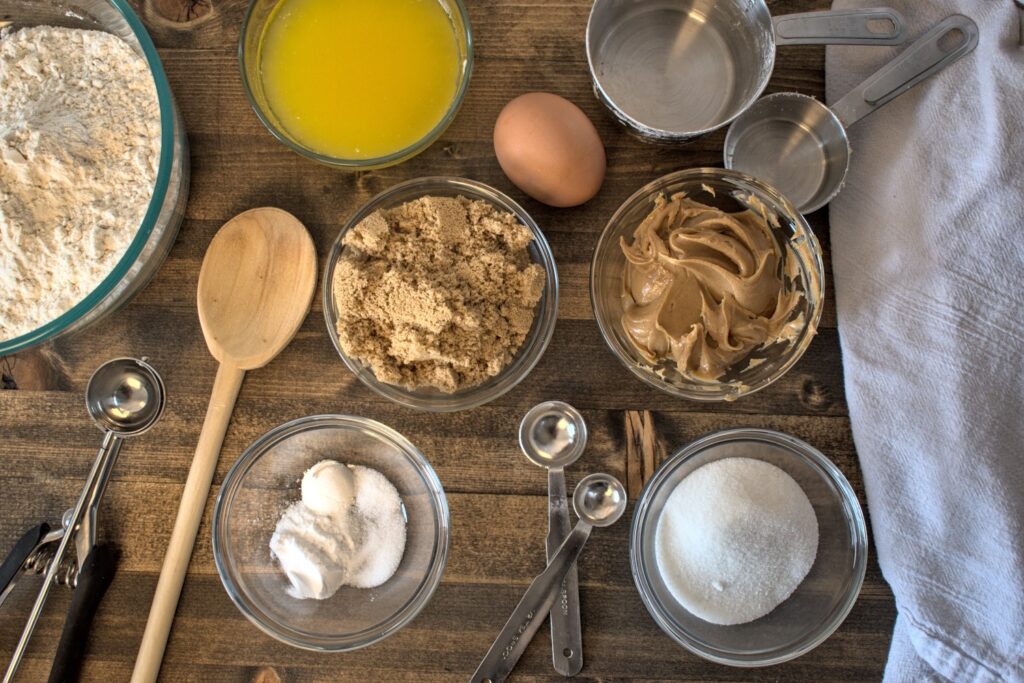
[
  {"x": 553, "y": 434},
  {"x": 599, "y": 499},
  {"x": 125, "y": 396}
]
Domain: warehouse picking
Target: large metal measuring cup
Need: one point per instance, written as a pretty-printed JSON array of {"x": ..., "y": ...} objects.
[
  {"x": 671, "y": 70},
  {"x": 800, "y": 146},
  {"x": 553, "y": 435}
]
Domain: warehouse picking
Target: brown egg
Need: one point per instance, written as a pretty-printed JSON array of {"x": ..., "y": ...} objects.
[{"x": 549, "y": 148}]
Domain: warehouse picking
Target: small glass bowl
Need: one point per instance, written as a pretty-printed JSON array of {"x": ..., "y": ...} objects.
[
  {"x": 253, "y": 28},
  {"x": 159, "y": 227},
  {"x": 819, "y": 604},
  {"x": 529, "y": 353},
  {"x": 795, "y": 238},
  {"x": 266, "y": 479}
]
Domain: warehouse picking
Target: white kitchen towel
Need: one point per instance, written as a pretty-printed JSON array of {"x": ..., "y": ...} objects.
[{"x": 928, "y": 257}]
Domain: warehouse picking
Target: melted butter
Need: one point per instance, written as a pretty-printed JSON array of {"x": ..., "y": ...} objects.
[{"x": 359, "y": 79}]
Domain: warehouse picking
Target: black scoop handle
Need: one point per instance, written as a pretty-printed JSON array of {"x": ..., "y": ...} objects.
[
  {"x": 93, "y": 581},
  {"x": 15, "y": 560}
]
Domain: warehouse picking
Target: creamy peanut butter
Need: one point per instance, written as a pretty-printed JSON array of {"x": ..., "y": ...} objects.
[{"x": 705, "y": 288}]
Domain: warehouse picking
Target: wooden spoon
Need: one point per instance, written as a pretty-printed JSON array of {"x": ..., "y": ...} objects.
[{"x": 255, "y": 288}]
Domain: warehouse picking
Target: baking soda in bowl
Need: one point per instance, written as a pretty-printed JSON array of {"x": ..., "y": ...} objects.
[
  {"x": 348, "y": 530},
  {"x": 734, "y": 540}
]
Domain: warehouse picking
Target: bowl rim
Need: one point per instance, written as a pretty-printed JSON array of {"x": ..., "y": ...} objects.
[
  {"x": 544, "y": 321},
  {"x": 799, "y": 449},
  {"x": 428, "y": 585},
  {"x": 161, "y": 183},
  {"x": 383, "y": 161},
  {"x": 817, "y": 287}
]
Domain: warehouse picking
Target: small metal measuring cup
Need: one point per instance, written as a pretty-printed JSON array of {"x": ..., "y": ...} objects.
[
  {"x": 553, "y": 435},
  {"x": 674, "y": 70},
  {"x": 800, "y": 146}
]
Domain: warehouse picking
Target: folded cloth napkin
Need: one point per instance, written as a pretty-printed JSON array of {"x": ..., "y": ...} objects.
[{"x": 928, "y": 257}]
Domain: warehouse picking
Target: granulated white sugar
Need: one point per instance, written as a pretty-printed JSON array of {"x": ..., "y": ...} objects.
[{"x": 735, "y": 539}]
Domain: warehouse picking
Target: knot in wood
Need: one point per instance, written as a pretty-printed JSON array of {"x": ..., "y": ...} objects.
[
  {"x": 181, "y": 12},
  {"x": 815, "y": 394}
]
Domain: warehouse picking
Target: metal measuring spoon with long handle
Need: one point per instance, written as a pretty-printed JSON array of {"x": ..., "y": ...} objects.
[
  {"x": 599, "y": 501},
  {"x": 553, "y": 435},
  {"x": 801, "y": 147},
  {"x": 125, "y": 397}
]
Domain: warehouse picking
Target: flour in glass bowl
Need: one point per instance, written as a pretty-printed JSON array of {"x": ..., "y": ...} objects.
[{"x": 79, "y": 149}]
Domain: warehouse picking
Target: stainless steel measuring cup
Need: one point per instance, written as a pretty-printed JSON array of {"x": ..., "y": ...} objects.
[
  {"x": 671, "y": 70},
  {"x": 800, "y": 146}
]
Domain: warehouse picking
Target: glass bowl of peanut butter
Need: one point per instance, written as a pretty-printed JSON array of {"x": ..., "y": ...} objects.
[{"x": 707, "y": 284}]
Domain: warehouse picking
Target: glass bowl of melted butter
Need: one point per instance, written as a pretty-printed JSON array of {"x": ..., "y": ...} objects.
[
  {"x": 357, "y": 84},
  {"x": 707, "y": 284}
]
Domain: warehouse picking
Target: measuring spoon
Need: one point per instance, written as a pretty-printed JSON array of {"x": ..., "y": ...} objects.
[
  {"x": 124, "y": 397},
  {"x": 553, "y": 435},
  {"x": 255, "y": 288},
  {"x": 800, "y": 146},
  {"x": 599, "y": 501}
]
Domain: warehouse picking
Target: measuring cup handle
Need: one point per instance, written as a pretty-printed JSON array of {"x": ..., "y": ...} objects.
[
  {"x": 876, "y": 26},
  {"x": 93, "y": 580},
  {"x": 946, "y": 42}
]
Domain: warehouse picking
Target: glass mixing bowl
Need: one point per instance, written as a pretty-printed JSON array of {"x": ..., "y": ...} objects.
[
  {"x": 253, "y": 28},
  {"x": 796, "y": 241},
  {"x": 819, "y": 604},
  {"x": 159, "y": 227},
  {"x": 529, "y": 353},
  {"x": 266, "y": 479}
]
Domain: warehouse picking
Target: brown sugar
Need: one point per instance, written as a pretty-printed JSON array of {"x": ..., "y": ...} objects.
[{"x": 440, "y": 291}]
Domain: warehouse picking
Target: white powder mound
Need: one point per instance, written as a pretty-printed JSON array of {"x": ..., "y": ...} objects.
[
  {"x": 380, "y": 507},
  {"x": 79, "y": 149},
  {"x": 308, "y": 547},
  {"x": 735, "y": 539},
  {"x": 359, "y": 541}
]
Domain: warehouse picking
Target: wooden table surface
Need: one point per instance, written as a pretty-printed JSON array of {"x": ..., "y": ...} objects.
[{"x": 497, "y": 499}]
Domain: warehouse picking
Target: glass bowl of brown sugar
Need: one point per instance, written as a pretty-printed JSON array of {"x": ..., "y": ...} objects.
[{"x": 441, "y": 294}]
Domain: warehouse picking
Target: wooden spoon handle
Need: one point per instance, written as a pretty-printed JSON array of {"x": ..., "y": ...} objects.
[{"x": 186, "y": 526}]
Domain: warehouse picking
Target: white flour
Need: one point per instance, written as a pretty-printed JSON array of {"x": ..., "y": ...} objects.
[{"x": 79, "y": 148}]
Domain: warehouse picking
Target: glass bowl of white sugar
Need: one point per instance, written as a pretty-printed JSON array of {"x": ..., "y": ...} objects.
[
  {"x": 748, "y": 547},
  {"x": 311, "y": 576}
]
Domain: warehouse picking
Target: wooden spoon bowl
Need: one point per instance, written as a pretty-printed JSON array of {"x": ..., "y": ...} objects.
[{"x": 256, "y": 286}]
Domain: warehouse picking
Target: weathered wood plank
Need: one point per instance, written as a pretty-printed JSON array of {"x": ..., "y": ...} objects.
[{"x": 445, "y": 643}]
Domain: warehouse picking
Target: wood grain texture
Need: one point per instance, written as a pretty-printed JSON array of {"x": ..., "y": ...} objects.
[
  {"x": 645, "y": 450},
  {"x": 497, "y": 498}
]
